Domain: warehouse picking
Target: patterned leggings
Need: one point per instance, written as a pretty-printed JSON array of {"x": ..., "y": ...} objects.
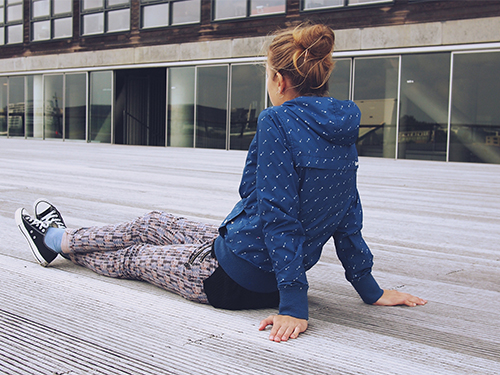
[{"x": 167, "y": 251}]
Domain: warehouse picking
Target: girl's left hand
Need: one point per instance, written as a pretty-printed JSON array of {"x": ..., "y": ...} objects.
[
  {"x": 284, "y": 327},
  {"x": 394, "y": 297}
]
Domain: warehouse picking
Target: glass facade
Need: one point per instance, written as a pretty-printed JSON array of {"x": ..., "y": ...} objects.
[
  {"x": 475, "y": 112},
  {"x": 161, "y": 13},
  {"x": 180, "y": 118},
  {"x": 211, "y": 106},
  {"x": 105, "y": 16},
  {"x": 100, "y": 106},
  {"x": 319, "y": 4},
  {"x": 376, "y": 94},
  {"x": 228, "y": 9},
  {"x": 423, "y": 122},
  {"x": 430, "y": 106},
  {"x": 51, "y": 19}
]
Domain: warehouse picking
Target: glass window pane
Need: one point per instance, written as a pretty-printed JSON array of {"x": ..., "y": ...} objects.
[
  {"x": 119, "y": 20},
  {"x": 16, "y": 107},
  {"x": 14, "y": 13},
  {"x": 92, "y": 4},
  {"x": 356, "y": 2},
  {"x": 180, "y": 107},
  {"x": 2, "y": 12},
  {"x": 314, "y": 4},
  {"x": 75, "y": 106},
  {"x": 475, "y": 112},
  {"x": 248, "y": 93},
  {"x": 14, "y": 34},
  {"x": 41, "y": 8},
  {"x": 155, "y": 15},
  {"x": 423, "y": 124},
  {"x": 3, "y": 105},
  {"x": 111, "y": 3},
  {"x": 230, "y": 9},
  {"x": 261, "y": 7},
  {"x": 93, "y": 23},
  {"x": 186, "y": 12},
  {"x": 376, "y": 92},
  {"x": 41, "y": 30},
  {"x": 211, "y": 107},
  {"x": 63, "y": 27},
  {"x": 34, "y": 110},
  {"x": 53, "y": 105},
  {"x": 100, "y": 106},
  {"x": 61, "y": 6},
  {"x": 340, "y": 80}
]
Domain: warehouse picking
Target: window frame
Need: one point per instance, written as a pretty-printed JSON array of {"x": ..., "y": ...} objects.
[
  {"x": 346, "y": 5},
  {"x": 51, "y": 18},
  {"x": 171, "y": 21},
  {"x": 104, "y": 10},
  {"x": 248, "y": 14},
  {"x": 5, "y": 24}
]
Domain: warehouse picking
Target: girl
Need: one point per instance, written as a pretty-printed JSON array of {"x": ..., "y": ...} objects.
[{"x": 298, "y": 190}]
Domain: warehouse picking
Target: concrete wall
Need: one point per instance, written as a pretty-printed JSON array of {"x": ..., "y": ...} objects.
[{"x": 482, "y": 30}]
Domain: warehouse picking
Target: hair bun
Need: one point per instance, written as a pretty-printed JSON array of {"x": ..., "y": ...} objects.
[{"x": 316, "y": 40}]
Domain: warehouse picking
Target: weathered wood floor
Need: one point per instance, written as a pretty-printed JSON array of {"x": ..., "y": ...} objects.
[{"x": 433, "y": 227}]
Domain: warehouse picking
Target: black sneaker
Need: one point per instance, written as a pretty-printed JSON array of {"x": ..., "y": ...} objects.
[
  {"x": 34, "y": 231},
  {"x": 46, "y": 212}
]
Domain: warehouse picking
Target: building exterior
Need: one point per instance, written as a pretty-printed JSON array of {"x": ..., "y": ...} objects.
[{"x": 426, "y": 74}]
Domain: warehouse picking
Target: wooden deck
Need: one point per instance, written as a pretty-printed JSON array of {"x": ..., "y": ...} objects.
[{"x": 433, "y": 227}]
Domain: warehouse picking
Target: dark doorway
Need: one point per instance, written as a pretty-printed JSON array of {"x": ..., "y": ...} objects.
[{"x": 140, "y": 107}]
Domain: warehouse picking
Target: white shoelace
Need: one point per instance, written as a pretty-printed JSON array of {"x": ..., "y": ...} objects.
[{"x": 53, "y": 218}]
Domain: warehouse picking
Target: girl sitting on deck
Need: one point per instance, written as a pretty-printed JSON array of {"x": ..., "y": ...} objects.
[{"x": 298, "y": 190}]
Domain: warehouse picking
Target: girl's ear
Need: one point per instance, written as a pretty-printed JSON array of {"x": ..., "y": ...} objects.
[{"x": 281, "y": 82}]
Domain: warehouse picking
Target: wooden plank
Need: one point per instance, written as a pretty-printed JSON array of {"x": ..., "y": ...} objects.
[{"x": 433, "y": 227}]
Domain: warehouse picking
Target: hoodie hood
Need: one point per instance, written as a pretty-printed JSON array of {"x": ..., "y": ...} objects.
[{"x": 335, "y": 121}]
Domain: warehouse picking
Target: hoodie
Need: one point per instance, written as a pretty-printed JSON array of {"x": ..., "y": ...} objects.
[{"x": 298, "y": 190}]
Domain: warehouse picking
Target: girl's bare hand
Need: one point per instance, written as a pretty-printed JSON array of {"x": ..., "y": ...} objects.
[{"x": 284, "y": 327}]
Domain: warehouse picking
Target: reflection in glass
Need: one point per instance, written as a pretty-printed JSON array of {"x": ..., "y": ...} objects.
[
  {"x": 340, "y": 80},
  {"x": 155, "y": 15},
  {"x": 248, "y": 95},
  {"x": 230, "y": 9},
  {"x": 211, "y": 107},
  {"x": 40, "y": 8},
  {"x": 356, "y": 2},
  {"x": 14, "y": 12},
  {"x": 261, "y": 7},
  {"x": 423, "y": 124},
  {"x": 3, "y": 105},
  {"x": 61, "y": 6},
  {"x": 475, "y": 111},
  {"x": 93, "y": 23},
  {"x": 100, "y": 106},
  {"x": 16, "y": 107},
  {"x": 186, "y": 11},
  {"x": 53, "y": 106},
  {"x": 14, "y": 34},
  {"x": 29, "y": 107},
  {"x": 180, "y": 125},
  {"x": 375, "y": 92},
  {"x": 35, "y": 102},
  {"x": 119, "y": 20},
  {"x": 92, "y": 4},
  {"x": 75, "y": 106},
  {"x": 314, "y": 4},
  {"x": 63, "y": 27},
  {"x": 41, "y": 30}
]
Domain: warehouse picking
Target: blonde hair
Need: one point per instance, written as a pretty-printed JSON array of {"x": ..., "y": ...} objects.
[{"x": 304, "y": 55}]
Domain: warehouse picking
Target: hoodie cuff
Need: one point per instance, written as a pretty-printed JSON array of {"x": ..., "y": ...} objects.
[
  {"x": 368, "y": 289},
  {"x": 293, "y": 302}
]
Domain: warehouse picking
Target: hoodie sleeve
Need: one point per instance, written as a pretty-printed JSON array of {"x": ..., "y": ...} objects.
[
  {"x": 278, "y": 205},
  {"x": 355, "y": 256}
]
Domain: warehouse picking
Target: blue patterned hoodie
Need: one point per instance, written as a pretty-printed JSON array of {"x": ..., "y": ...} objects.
[{"x": 298, "y": 190}]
